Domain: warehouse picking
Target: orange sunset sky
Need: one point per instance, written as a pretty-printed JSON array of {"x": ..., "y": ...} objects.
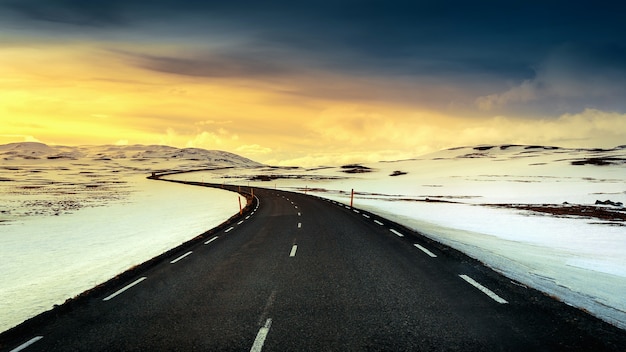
[{"x": 323, "y": 83}]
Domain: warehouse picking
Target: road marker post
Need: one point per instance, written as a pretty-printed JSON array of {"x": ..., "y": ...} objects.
[
  {"x": 240, "y": 209},
  {"x": 351, "y": 198}
]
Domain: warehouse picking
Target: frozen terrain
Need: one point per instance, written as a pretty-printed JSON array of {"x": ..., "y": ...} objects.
[
  {"x": 74, "y": 217},
  {"x": 527, "y": 211}
]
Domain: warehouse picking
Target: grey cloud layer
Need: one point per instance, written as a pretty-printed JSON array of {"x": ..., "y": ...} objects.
[{"x": 509, "y": 45}]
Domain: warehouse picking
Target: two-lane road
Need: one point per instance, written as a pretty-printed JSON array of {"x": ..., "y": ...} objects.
[{"x": 305, "y": 274}]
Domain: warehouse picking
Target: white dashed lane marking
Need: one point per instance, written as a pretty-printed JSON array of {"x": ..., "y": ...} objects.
[
  {"x": 397, "y": 233},
  {"x": 181, "y": 257},
  {"x": 484, "y": 290},
  {"x": 433, "y": 255},
  {"x": 257, "y": 346},
  {"x": 211, "y": 240},
  {"x": 378, "y": 222},
  {"x": 125, "y": 288},
  {"x": 26, "y": 344},
  {"x": 293, "y": 250}
]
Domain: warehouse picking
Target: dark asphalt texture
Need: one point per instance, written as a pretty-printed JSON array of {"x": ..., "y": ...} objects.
[{"x": 352, "y": 285}]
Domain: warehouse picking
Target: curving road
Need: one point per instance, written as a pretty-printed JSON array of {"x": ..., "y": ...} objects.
[{"x": 300, "y": 273}]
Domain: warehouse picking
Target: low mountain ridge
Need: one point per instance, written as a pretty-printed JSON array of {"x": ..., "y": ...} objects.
[
  {"x": 576, "y": 156},
  {"x": 34, "y": 151}
]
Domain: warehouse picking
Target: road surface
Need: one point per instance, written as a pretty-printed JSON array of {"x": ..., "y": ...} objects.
[{"x": 299, "y": 273}]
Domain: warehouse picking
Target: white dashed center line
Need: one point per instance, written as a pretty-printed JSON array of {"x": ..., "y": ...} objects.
[
  {"x": 257, "y": 346},
  {"x": 293, "y": 250},
  {"x": 229, "y": 229},
  {"x": 211, "y": 240},
  {"x": 299, "y": 225},
  {"x": 378, "y": 222},
  {"x": 239, "y": 223},
  {"x": 125, "y": 288},
  {"x": 425, "y": 250},
  {"x": 483, "y": 289},
  {"x": 365, "y": 216},
  {"x": 26, "y": 344},
  {"x": 181, "y": 257}
]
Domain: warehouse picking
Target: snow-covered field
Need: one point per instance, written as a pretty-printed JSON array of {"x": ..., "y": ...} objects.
[
  {"x": 74, "y": 217},
  {"x": 503, "y": 205}
]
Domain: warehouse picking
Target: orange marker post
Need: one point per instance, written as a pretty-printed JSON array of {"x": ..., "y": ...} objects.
[
  {"x": 240, "y": 209},
  {"x": 351, "y": 198}
]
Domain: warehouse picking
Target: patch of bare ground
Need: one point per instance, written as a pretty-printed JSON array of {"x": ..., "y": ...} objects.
[
  {"x": 615, "y": 216},
  {"x": 600, "y": 161},
  {"x": 355, "y": 169},
  {"x": 292, "y": 177},
  {"x": 398, "y": 173}
]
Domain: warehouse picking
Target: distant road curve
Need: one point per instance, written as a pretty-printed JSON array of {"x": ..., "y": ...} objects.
[{"x": 300, "y": 273}]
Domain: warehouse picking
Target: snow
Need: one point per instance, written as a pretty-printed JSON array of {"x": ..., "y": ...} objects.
[
  {"x": 68, "y": 224},
  {"x": 72, "y": 217},
  {"x": 577, "y": 259}
]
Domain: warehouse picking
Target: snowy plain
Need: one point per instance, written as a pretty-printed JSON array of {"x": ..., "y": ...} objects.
[
  {"x": 72, "y": 218},
  {"x": 476, "y": 199}
]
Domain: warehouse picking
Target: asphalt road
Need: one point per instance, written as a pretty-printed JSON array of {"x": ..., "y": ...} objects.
[{"x": 305, "y": 274}]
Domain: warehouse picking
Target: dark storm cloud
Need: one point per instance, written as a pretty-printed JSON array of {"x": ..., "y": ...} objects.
[
  {"x": 70, "y": 12},
  {"x": 505, "y": 43}
]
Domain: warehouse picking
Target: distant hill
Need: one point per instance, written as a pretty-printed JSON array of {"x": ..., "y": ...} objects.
[
  {"x": 576, "y": 156},
  {"x": 136, "y": 157}
]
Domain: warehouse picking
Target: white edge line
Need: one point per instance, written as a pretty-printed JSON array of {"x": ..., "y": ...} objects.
[
  {"x": 181, "y": 257},
  {"x": 378, "y": 222},
  {"x": 125, "y": 288},
  {"x": 229, "y": 229},
  {"x": 211, "y": 240},
  {"x": 483, "y": 289},
  {"x": 425, "y": 250},
  {"x": 397, "y": 233},
  {"x": 257, "y": 346},
  {"x": 293, "y": 250},
  {"x": 26, "y": 344}
]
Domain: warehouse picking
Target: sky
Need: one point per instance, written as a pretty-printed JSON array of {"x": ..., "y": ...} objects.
[{"x": 316, "y": 83}]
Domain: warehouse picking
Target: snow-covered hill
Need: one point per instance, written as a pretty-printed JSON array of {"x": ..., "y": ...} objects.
[
  {"x": 135, "y": 157},
  {"x": 38, "y": 179}
]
